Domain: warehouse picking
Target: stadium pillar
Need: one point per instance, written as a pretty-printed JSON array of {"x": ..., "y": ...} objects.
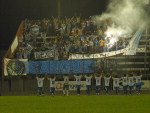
[
  {"x": 59, "y": 8},
  {"x": 145, "y": 58}
]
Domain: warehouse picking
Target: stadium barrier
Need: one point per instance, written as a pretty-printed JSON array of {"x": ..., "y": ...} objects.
[
  {"x": 72, "y": 85},
  {"x": 28, "y": 86}
]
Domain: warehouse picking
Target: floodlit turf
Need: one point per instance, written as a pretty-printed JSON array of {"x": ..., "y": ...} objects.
[{"x": 75, "y": 104}]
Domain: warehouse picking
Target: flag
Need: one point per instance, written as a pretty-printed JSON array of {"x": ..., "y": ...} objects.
[{"x": 13, "y": 67}]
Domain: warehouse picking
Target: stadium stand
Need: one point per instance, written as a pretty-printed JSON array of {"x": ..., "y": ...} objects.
[{"x": 55, "y": 46}]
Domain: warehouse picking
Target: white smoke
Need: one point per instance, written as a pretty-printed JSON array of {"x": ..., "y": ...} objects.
[{"x": 127, "y": 16}]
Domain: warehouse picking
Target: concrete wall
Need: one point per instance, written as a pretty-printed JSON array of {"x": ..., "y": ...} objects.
[{"x": 28, "y": 86}]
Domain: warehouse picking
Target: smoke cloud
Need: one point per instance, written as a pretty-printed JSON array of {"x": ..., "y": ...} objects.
[{"x": 127, "y": 15}]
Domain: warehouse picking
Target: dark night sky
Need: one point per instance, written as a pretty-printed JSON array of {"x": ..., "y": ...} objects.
[{"x": 13, "y": 11}]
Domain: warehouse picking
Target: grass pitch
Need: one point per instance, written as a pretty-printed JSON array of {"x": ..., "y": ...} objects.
[{"x": 76, "y": 104}]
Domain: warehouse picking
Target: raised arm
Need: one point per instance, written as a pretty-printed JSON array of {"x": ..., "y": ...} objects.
[
  {"x": 46, "y": 75},
  {"x": 110, "y": 77}
]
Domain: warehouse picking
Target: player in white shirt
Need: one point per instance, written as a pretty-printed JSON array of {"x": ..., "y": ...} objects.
[
  {"x": 98, "y": 83},
  {"x": 52, "y": 84},
  {"x": 66, "y": 85},
  {"x": 131, "y": 83},
  {"x": 138, "y": 82},
  {"x": 40, "y": 79},
  {"x": 125, "y": 83},
  {"x": 116, "y": 84},
  {"x": 107, "y": 82},
  {"x": 78, "y": 83},
  {"x": 88, "y": 83}
]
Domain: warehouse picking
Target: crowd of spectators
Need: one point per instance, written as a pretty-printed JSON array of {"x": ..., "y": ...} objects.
[{"x": 63, "y": 37}]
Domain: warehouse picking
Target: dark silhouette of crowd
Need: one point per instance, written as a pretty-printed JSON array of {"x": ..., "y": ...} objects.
[{"x": 61, "y": 37}]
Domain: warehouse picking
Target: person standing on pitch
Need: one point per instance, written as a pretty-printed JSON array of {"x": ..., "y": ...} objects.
[
  {"x": 107, "y": 81},
  {"x": 88, "y": 83},
  {"x": 131, "y": 83},
  {"x": 52, "y": 84},
  {"x": 78, "y": 83},
  {"x": 66, "y": 85},
  {"x": 138, "y": 82},
  {"x": 125, "y": 84},
  {"x": 116, "y": 84},
  {"x": 40, "y": 79},
  {"x": 98, "y": 83}
]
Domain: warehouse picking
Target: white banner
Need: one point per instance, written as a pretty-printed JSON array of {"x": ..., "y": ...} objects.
[
  {"x": 92, "y": 56},
  {"x": 72, "y": 85},
  {"x": 44, "y": 54},
  {"x": 132, "y": 51},
  {"x": 140, "y": 50},
  {"x": 126, "y": 51}
]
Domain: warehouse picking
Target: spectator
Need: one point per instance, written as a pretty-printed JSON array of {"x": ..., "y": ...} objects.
[
  {"x": 40, "y": 79},
  {"x": 98, "y": 83},
  {"x": 78, "y": 83},
  {"x": 131, "y": 83},
  {"x": 116, "y": 84},
  {"x": 107, "y": 83},
  {"x": 125, "y": 84},
  {"x": 52, "y": 84},
  {"x": 66, "y": 85},
  {"x": 88, "y": 83},
  {"x": 138, "y": 82}
]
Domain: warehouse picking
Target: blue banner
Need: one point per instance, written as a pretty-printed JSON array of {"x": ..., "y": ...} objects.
[{"x": 60, "y": 67}]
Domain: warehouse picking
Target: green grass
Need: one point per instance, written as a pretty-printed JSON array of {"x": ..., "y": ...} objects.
[{"x": 75, "y": 104}]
